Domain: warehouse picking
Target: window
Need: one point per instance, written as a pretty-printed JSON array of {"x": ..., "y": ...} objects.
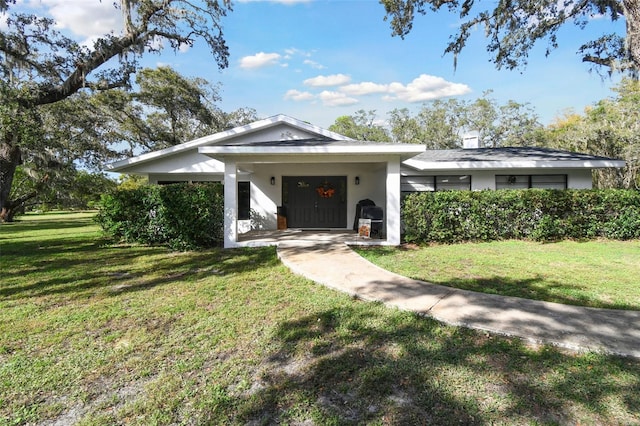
[
  {"x": 244, "y": 200},
  {"x": 531, "y": 181},
  {"x": 435, "y": 183},
  {"x": 453, "y": 183},
  {"x": 513, "y": 182},
  {"x": 417, "y": 183},
  {"x": 549, "y": 181}
]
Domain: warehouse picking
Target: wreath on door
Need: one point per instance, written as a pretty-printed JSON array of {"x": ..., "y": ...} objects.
[{"x": 326, "y": 190}]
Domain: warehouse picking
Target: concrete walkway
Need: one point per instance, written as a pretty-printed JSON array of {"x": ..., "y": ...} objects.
[{"x": 335, "y": 265}]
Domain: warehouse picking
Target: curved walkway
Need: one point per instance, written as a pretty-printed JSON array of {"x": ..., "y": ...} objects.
[{"x": 337, "y": 266}]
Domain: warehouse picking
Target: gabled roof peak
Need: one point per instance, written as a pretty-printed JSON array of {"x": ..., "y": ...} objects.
[{"x": 221, "y": 137}]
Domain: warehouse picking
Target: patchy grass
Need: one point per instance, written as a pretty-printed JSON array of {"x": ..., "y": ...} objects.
[
  {"x": 601, "y": 274},
  {"x": 99, "y": 334}
]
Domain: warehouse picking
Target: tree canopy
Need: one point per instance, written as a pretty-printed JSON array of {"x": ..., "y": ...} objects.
[
  {"x": 87, "y": 129},
  {"x": 362, "y": 126},
  {"x": 40, "y": 66},
  {"x": 610, "y": 128},
  {"x": 52, "y": 66},
  {"x": 441, "y": 124},
  {"x": 513, "y": 27}
]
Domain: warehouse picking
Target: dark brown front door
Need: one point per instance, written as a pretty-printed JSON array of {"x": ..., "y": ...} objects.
[{"x": 315, "y": 202}]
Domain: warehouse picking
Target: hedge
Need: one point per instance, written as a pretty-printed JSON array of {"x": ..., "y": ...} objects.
[
  {"x": 535, "y": 214},
  {"x": 181, "y": 216}
]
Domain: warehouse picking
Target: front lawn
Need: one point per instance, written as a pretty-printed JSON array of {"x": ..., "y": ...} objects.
[
  {"x": 93, "y": 333},
  {"x": 601, "y": 273}
]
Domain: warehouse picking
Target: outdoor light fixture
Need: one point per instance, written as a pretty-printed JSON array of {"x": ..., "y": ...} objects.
[
  {"x": 273, "y": 180},
  {"x": 357, "y": 180}
]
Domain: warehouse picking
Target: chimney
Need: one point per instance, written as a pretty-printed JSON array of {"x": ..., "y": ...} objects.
[{"x": 471, "y": 140}]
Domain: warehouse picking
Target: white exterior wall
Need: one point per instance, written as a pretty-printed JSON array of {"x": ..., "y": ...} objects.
[
  {"x": 483, "y": 180},
  {"x": 279, "y": 132},
  {"x": 580, "y": 179},
  {"x": 185, "y": 162}
]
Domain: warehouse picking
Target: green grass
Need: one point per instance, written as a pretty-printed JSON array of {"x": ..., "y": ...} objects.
[
  {"x": 98, "y": 334},
  {"x": 601, "y": 274}
]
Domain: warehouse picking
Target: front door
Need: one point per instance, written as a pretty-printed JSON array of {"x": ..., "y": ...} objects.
[{"x": 315, "y": 202}]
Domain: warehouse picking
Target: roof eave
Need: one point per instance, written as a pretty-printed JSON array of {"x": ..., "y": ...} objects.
[
  {"x": 490, "y": 165},
  {"x": 220, "y": 152}
]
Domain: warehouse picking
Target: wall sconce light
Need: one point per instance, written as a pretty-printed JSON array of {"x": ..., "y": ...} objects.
[
  {"x": 273, "y": 180},
  {"x": 357, "y": 180}
]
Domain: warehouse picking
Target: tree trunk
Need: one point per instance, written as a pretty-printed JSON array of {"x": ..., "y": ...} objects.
[
  {"x": 632, "y": 16},
  {"x": 9, "y": 159}
]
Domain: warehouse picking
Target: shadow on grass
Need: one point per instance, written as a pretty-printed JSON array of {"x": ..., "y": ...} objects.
[
  {"x": 535, "y": 287},
  {"x": 356, "y": 366},
  {"x": 75, "y": 265},
  {"x": 50, "y": 224}
]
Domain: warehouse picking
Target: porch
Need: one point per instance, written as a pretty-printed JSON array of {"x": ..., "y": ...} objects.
[{"x": 261, "y": 238}]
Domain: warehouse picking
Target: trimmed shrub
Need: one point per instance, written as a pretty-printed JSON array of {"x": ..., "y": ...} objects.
[
  {"x": 535, "y": 214},
  {"x": 181, "y": 216}
]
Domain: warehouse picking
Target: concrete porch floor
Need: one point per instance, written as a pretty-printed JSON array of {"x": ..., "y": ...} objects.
[{"x": 274, "y": 237}]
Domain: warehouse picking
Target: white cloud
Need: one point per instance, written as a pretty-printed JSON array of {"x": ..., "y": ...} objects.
[
  {"x": 88, "y": 19},
  {"x": 328, "y": 98},
  {"x": 425, "y": 88},
  {"x": 336, "y": 99},
  {"x": 364, "y": 88},
  {"x": 297, "y": 95},
  {"x": 295, "y": 51},
  {"x": 313, "y": 64},
  {"x": 421, "y": 89},
  {"x": 328, "y": 80},
  {"x": 260, "y": 60}
]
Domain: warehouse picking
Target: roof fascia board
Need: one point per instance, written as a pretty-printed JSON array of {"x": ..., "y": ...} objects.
[
  {"x": 326, "y": 149},
  {"x": 312, "y": 154}
]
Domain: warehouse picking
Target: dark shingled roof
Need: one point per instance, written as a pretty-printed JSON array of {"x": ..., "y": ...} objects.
[{"x": 504, "y": 154}]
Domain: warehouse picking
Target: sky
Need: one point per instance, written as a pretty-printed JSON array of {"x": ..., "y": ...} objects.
[{"x": 317, "y": 60}]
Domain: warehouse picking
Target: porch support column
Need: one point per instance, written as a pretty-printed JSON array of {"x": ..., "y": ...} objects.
[
  {"x": 230, "y": 204},
  {"x": 393, "y": 201}
]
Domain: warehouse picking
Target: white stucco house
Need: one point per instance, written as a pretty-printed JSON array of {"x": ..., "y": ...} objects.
[{"x": 316, "y": 177}]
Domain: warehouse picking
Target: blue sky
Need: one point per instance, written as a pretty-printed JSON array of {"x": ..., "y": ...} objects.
[{"x": 319, "y": 59}]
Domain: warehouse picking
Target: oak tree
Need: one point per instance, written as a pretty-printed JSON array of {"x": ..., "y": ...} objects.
[
  {"x": 513, "y": 27},
  {"x": 39, "y": 65}
]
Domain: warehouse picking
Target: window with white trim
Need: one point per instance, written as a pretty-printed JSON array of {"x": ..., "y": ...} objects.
[
  {"x": 435, "y": 183},
  {"x": 531, "y": 181}
]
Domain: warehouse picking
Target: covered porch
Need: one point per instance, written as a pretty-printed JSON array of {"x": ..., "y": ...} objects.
[{"x": 319, "y": 187}]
